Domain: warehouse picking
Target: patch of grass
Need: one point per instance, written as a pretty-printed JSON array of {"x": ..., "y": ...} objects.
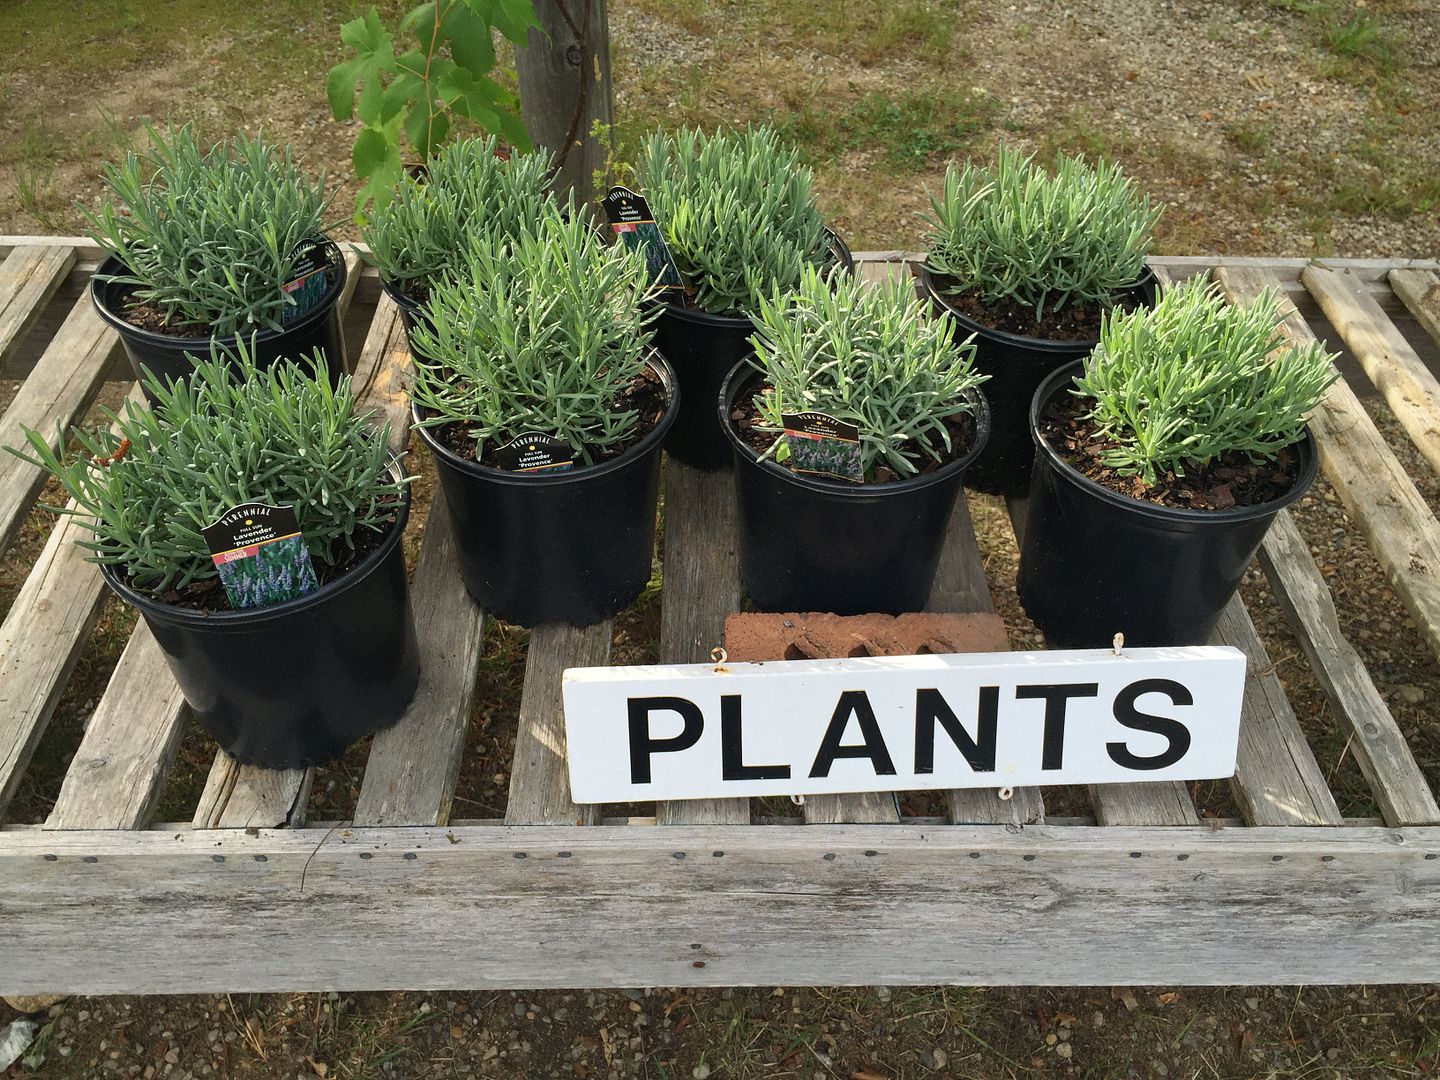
[
  {"x": 1360, "y": 37},
  {"x": 908, "y": 133},
  {"x": 1249, "y": 137}
]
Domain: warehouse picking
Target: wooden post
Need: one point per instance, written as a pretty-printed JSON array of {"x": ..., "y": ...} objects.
[{"x": 565, "y": 88}]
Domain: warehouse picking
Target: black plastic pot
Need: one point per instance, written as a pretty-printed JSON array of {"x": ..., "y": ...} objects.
[
  {"x": 1016, "y": 366},
  {"x": 412, "y": 311},
  {"x": 811, "y": 544},
  {"x": 1095, "y": 563},
  {"x": 293, "y": 684},
  {"x": 319, "y": 328},
  {"x": 557, "y": 547},
  {"x": 703, "y": 349}
]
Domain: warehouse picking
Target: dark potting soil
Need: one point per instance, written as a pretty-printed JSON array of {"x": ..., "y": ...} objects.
[
  {"x": 646, "y": 397},
  {"x": 209, "y": 595},
  {"x": 1076, "y": 322},
  {"x": 759, "y": 437},
  {"x": 1229, "y": 481},
  {"x": 148, "y": 315}
]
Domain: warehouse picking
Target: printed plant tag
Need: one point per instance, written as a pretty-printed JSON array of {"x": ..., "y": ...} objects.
[
  {"x": 823, "y": 446},
  {"x": 630, "y": 216},
  {"x": 308, "y": 285},
  {"x": 534, "y": 452},
  {"x": 261, "y": 555}
]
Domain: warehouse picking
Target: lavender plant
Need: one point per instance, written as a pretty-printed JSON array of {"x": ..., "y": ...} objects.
[
  {"x": 466, "y": 189},
  {"x": 542, "y": 331},
  {"x": 738, "y": 212},
  {"x": 230, "y": 434},
  {"x": 210, "y": 235},
  {"x": 868, "y": 356},
  {"x": 1017, "y": 233},
  {"x": 1195, "y": 378}
]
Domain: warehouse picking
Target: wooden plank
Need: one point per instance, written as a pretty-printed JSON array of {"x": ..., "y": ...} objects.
[
  {"x": 29, "y": 276},
  {"x": 960, "y": 585},
  {"x": 42, "y": 637},
  {"x": 196, "y": 912},
  {"x": 117, "y": 775},
  {"x": 539, "y": 778},
  {"x": 1277, "y": 779},
  {"x": 1372, "y": 485},
  {"x": 701, "y": 586},
  {"x": 1408, "y": 386},
  {"x": 40, "y": 641},
  {"x": 1419, "y": 290},
  {"x": 243, "y": 797},
  {"x": 1164, "y": 802},
  {"x": 1379, "y": 746},
  {"x": 52, "y": 398},
  {"x": 413, "y": 766}
]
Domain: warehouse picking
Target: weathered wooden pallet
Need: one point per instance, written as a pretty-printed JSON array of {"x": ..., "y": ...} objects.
[{"x": 247, "y": 896}]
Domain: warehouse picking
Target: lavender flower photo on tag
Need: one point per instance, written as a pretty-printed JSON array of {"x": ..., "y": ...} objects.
[{"x": 261, "y": 555}]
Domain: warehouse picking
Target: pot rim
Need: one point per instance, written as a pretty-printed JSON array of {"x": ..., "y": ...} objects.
[
  {"x": 581, "y": 473},
  {"x": 745, "y": 322},
  {"x": 402, "y": 299},
  {"x": 744, "y": 373},
  {"x": 112, "y": 265},
  {"x": 1035, "y": 344},
  {"x": 249, "y": 617},
  {"x": 1052, "y": 385}
]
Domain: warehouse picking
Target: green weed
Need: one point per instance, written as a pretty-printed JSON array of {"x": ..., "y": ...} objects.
[{"x": 908, "y": 133}]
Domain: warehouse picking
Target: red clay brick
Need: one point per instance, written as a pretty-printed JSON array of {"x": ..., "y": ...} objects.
[{"x": 816, "y": 636}]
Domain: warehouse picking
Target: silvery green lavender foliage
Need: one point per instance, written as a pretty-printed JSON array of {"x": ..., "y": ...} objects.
[
  {"x": 541, "y": 331},
  {"x": 1195, "y": 377},
  {"x": 868, "y": 356},
  {"x": 229, "y": 435},
  {"x": 738, "y": 212},
  {"x": 1017, "y": 233},
  {"x": 422, "y": 234},
  {"x": 210, "y": 235}
]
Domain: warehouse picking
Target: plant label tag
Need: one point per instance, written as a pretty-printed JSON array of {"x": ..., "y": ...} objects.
[
  {"x": 534, "y": 452},
  {"x": 630, "y": 217},
  {"x": 261, "y": 555},
  {"x": 822, "y": 446},
  {"x": 902, "y": 723},
  {"x": 306, "y": 288}
]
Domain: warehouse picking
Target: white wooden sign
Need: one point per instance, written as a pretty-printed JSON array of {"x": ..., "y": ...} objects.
[{"x": 961, "y": 720}]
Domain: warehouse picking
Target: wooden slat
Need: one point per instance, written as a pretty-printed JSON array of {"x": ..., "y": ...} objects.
[
  {"x": 1277, "y": 779},
  {"x": 291, "y": 910},
  {"x": 1408, "y": 386},
  {"x": 701, "y": 587},
  {"x": 858, "y": 808},
  {"x": 54, "y": 395},
  {"x": 1163, "y": 802},
  {"x": 1378, "y": 744},
  {"x": 1372, "y": 485},
  {"x": 411, "y": 773},
  {"x": 539, "y": 779},
  {"x": 1419, "y": 290},
  {"x": 243, "y": 797},
  {"x": 116, "y": 777},
  {"x": 960, "y": 585},
  {"x": 40, "y": 641},
  {"x": 29, "y": 276}
]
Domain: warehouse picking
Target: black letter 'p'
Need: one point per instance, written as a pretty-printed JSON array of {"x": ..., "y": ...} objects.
[{"x": 642, "y": 745}]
